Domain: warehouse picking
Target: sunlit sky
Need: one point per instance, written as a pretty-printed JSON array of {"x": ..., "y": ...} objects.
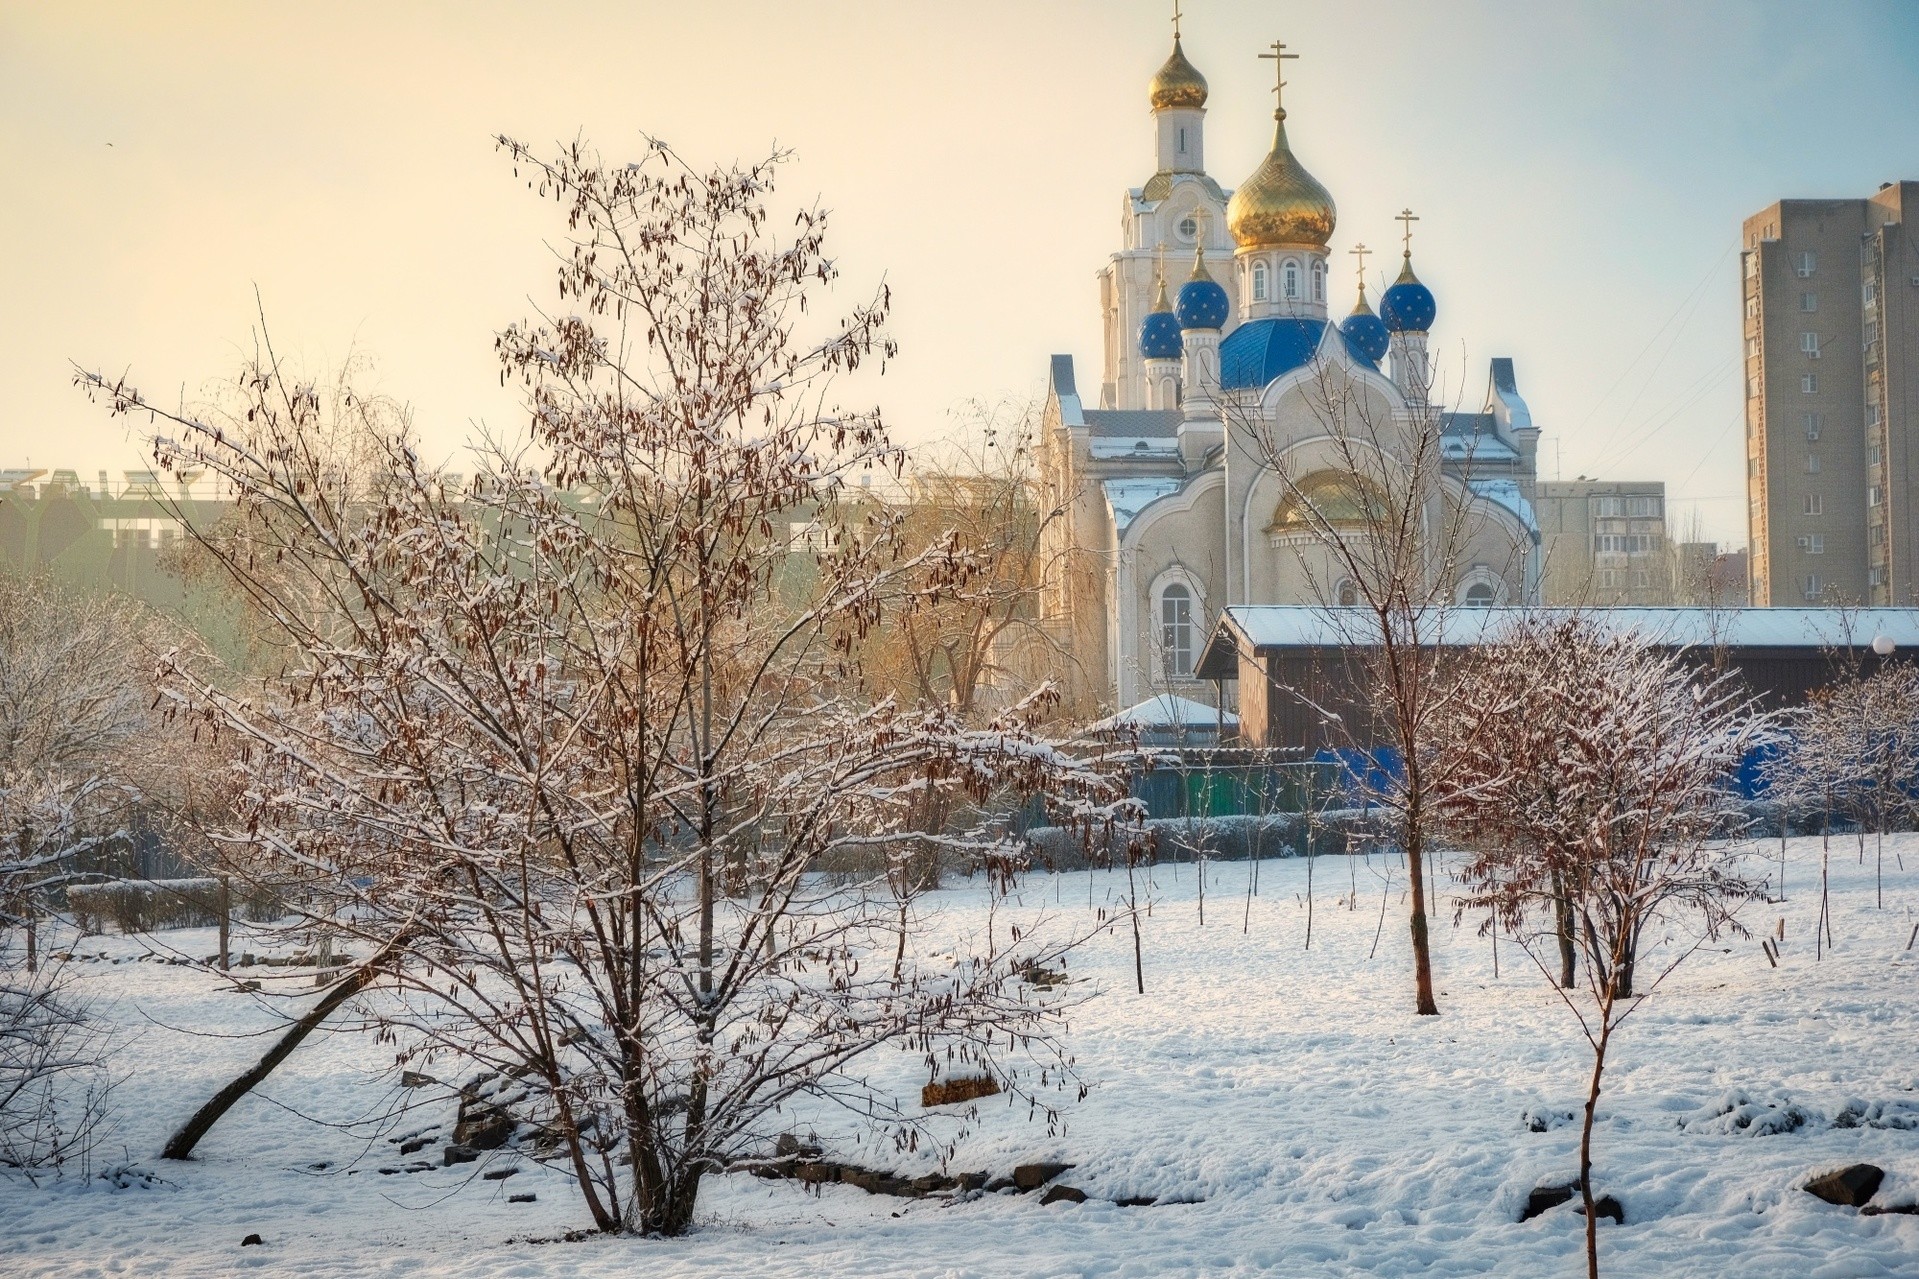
[{"x": 1580, "y": 171}]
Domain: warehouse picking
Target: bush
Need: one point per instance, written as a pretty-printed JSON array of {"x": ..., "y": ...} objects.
[{"x": 148, "y": 905}]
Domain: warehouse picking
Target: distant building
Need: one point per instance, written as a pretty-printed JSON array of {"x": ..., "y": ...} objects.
[
  {"x": 1831, "y": 330},
  {"x": 102, "y": 534},
  {"x": 1604, "y": 542}
]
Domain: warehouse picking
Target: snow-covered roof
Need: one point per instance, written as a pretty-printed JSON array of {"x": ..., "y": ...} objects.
[
  {"x": 1132, "y": 432},
  {"x": 1129, "y": 497},
  {"x": 1506, "y": 493},
  {"x": 1306, "y": 626},
  {"x": 1474, "y": 437},
  {"x": 1167, "y": 711}
]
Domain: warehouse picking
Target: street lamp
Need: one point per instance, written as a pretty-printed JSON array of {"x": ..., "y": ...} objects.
[{"x": 1882, "y": 644}]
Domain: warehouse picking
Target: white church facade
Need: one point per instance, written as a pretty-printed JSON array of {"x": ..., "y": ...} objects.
[{"x": 1227, "y": 397}]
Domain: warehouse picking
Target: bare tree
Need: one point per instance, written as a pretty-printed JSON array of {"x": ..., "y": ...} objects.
[
  {"x": 75, "y": 736},
  {"x": 1639, "y": 746},
  {"x": 1382, "y": 535},
  {"x": 569, "y": 741}
]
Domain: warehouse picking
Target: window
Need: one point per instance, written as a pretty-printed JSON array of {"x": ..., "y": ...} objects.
[
  {"x": 1811, "y": 586},
  {"x": 1189, "y": 227},
  {"x": 1642, "y": 507},
  {"x": 1809, "y": 343},
  {"x": 1815, "y": 504},
  {"x": 1875, "y": 454},
  {"x": 1289, "y": 274},
  {"x": 1875, "y": 577},
  {"x": 1176, "y": 630},
  {"x": 1872, "y": 413},
  {"x": 1878, "y": 535},
  {"x": 1869, "y": 294},
  {"x": 1480, "y": 595},
  {"x": 1182, "y": 140},
  {"x": 1642, "y": 578},
  {"x": 1809, "y": 383},
  {"x": 1347, "y": 596},
  {"x": 1804, "y": 264},
  {"x": 1812, "y": 426},
  {"x": 1625, "y": 543},
  {"x": 1319, "y": 281},
  {"x": 1812, "y": 464},
  {"x": 1872, "y": 330},
  {"x": 1808, "y": 302},
  {"x": 1813, "y": 544},
  {"x": 1875, "y": 495},
  {"x": 1605, "y": 506},
  {"x": 1752, "y": 308},
  {"x": 1259, "y": 281},
  {"x": 1752, "y": 387},
  {"x": 1752, "y": 266},
  {"x": 1752, "y": 348}
]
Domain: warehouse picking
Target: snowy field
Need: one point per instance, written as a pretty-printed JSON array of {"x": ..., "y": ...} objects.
[{"x": 1311, "y": 1125}]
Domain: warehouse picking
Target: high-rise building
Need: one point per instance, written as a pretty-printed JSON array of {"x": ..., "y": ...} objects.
[
  {"x": 1604, "y": 542},
  {"x": 1831, "y": 359}
]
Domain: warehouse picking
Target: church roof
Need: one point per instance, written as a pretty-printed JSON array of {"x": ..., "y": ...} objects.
[
  {"x": 1260, "y": 350},
  {"x": 1161, "y": 185},
  {"x": 1128, "y": 497},
  {"x": 1472, "y": 437},
  {"x": 1505, "y": 493},
  {"x": 1130, "y": 422}
]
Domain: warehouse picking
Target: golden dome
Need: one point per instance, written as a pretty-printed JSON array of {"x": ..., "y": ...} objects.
[
  {"x": 1178, "y": 83},
  {"x": 1281, "y": 203}
]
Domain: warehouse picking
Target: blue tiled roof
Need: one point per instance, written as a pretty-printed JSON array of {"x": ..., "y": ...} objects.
[
  {"x": 1202, "y": 305},
  {"x": 1260, "y": 350}
]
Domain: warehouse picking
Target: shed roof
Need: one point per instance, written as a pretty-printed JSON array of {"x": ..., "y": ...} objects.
[{"x": 1280, "y": 626}]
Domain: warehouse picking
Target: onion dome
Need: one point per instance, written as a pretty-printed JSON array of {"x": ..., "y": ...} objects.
[
  {"x": 1365, "y": 333},
  {"x": 1281, "y": 203},
  {"x": 1159, "y": 337},
  {"x": 1178, "y": 83},
  {"x": 1202, "y": 303},
  {"x": 1408, "y": 306}
]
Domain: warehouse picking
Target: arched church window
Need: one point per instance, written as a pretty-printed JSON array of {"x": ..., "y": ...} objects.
[
  {"x": 1182, "y": 140},
  {"x": 1176, "y": 630},
  {"x": 1289, "y": 275},
  {"x": 1259, "y": 281},
  {"x": 1480, "y": 595},
  {"x": 1347, "y": 593},
  {"x": 1319, "y": 281}
]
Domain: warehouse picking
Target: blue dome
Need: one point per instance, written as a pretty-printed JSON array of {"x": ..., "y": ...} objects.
[
  {"x": 1202, "y": 305},
  {"x": 1365, "y": 334},
  {"x": 1159, "y": 337},
  {"x": 1260, "y": 350},
  {"x": 1408, "y": 306}
]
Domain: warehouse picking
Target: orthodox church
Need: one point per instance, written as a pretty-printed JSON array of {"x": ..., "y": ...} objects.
[{"x": 1219, "y": 403}]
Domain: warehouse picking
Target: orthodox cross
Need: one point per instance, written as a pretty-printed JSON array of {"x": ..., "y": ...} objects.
[
  {"x": 1360, "y": 251},
  {"x": 1176, "y": 21},
  {"x": 1407, "y": 217},
  {"x": 1279, "y": 58}
]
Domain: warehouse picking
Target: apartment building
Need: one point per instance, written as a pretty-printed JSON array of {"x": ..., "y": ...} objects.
[
  {"x": 1831, "y": 331},
  {"x": 1604, "y": 542}
]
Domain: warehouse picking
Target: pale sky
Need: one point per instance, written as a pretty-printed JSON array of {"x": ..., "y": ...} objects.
[{"x": 1580, "y": 171}]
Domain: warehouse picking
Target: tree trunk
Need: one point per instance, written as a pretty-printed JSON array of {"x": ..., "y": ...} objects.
[
  {"x": 1586, "y": 1141},
  {"x": 1423, "y": 1001},
  {"x": 181, "y": 1144},
  {"x": 1563, "y": 918}
]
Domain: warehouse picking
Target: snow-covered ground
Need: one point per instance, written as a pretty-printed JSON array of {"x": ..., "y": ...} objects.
[{"x": 1312, "y": 1124}]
